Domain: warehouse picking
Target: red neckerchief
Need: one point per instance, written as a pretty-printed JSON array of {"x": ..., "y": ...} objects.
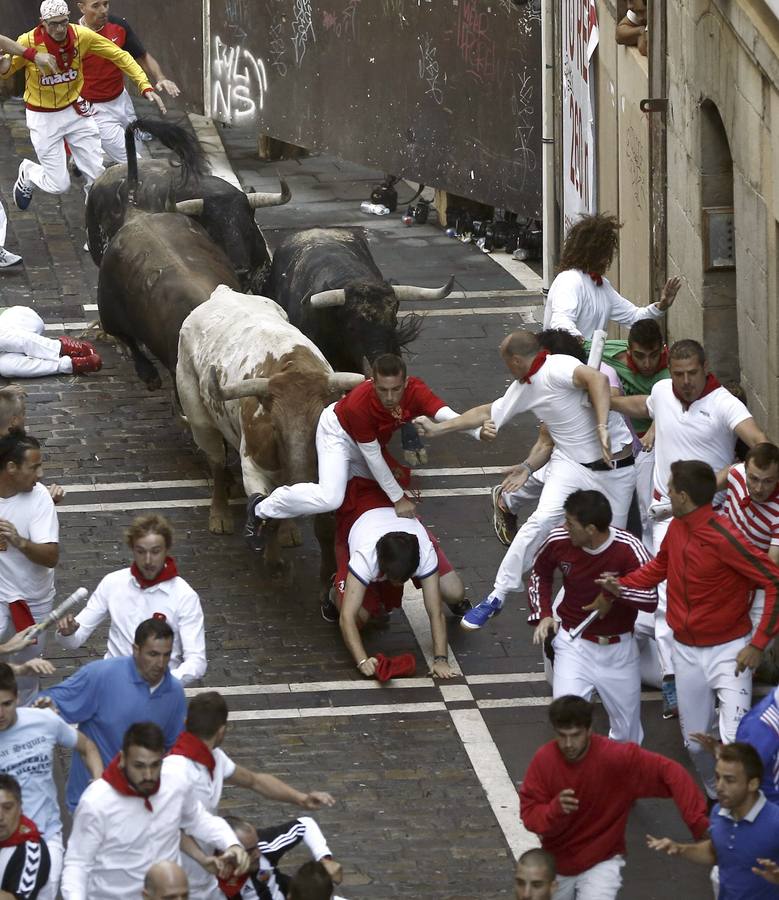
[
  {"x": 596, "y": 277},
  {"x": 663, "y": 364},
  {"x": 711, "y": 385},
  {"x": 25, "y": 831},
  {"x": 193, "y": 748},
  {"x": 538, "y": 360},
  {"x": 231, "y": 887},
  {"x": 115, "y": 776},
  {"x": 167, "y": 572},
  {"x": 63, "y": 53}
]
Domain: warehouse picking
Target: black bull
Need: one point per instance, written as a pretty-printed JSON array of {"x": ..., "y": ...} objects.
[
  {"x": 332, "y": 290},
  {"x": 224, "y": 211}
]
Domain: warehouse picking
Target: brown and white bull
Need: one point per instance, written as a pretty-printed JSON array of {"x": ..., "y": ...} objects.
[{"x": 248, "y": 377}]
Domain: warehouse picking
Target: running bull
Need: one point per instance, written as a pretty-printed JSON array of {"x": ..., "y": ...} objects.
[
  {"x": 156, "y": 270},
  {"x": 247, "y": 377},
  {"x": 329, "y": 284},
  {"x": 225, "y": 211}
]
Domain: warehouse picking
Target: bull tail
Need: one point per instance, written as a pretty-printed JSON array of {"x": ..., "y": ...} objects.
[{"x": 185, "y": 145}]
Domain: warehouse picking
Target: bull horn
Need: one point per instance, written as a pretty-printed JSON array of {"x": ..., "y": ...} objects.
[
  {"x": 344, "y": 381},
  {"x": 258, "y": 199},
  {"x": 190, "y": 207},
  {"x": 250, "y": 387},
  {"x": 328, "y": 298},
  {"x": 410, "y": 292}
]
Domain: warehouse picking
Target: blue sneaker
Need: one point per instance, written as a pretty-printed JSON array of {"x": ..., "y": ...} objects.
[
  {"x": 670, "y": 704},
  {"x": 480, "y": 614},
  {"x": 22, "y": 191}
]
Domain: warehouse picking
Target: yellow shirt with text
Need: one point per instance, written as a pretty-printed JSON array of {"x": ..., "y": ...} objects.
[{"x": 59, "y": 91}]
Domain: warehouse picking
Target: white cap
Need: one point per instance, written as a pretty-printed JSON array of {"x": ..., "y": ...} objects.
[{"x": 51, "y": 8}]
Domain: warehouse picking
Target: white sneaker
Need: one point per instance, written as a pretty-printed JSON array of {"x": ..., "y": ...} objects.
[{"x": 8, "y": 259}]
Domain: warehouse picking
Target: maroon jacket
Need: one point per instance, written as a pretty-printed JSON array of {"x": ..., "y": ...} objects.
[{"x": 711, "y": 570}]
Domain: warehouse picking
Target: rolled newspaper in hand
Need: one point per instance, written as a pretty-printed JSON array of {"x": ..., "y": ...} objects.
[
  {"x": 78, "y": 596},
  {"x": 575, "y": 632},
  {"x": 595, "y": 357}
]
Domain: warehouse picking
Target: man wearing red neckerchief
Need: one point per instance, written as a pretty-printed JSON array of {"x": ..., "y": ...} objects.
[
  {"x": 56, "y": 111},
  {"x": 197, "y": 759},
  {"x": 133, "y": 817},
  {"x": 150, "y": 588},
  {"x": 24, "y": 856},
  {"x": 695, "y": 418},
  {"x": 581, "y": 299}
]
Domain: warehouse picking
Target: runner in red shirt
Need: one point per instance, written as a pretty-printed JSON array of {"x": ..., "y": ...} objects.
[
  {"x": 104, "y": 82},
  {"x": 351, "y": 439}
]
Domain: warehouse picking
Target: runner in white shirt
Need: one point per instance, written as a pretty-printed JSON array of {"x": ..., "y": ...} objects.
[
  {"x": 132, "y": 817},
  {"x": 29, "y": 546},
  {"x": 593, "y": 449},
  {"x": 197, "y": 760},
  {"x": 581, "y": 300},
  {"x": 150, "y": 588},
  {"x": 752, "y": 505},
  {"x": 695, "y": 418},
  {"x": 27, "y": 741}
]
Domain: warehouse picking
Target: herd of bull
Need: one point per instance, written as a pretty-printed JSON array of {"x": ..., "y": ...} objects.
[{"x": 257, "y": 347}]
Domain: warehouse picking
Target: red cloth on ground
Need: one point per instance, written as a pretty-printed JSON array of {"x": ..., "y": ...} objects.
[
  {"x": 363, "y": 494},
  {"x": 115, "y": 776},
  {"x": 711, "y": 569},
  {"x": 27, "y": 830},
  {"x": 364, "y": 418},
  {"x": 193, "y": 748},
  {"x": 167, "y": 572},
  {"x": 395, "y": 666},
  {"x": 607, "y": 781}
]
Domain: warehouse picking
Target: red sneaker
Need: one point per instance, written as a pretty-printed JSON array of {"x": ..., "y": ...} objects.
[
  {"x": 84, "y": 364},
  {"x": 74, "y": 348}
]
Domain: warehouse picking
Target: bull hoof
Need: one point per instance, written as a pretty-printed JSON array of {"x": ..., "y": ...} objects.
[
  {"x": 290, "y": 536},
  {"x": 219, "y": 523},
  {"x": 154, "y": 383}
]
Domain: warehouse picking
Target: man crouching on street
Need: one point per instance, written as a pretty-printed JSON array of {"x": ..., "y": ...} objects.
[{"x": 377, "y": 552}]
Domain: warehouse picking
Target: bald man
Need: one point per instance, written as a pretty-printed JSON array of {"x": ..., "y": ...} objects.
[
  {"x": 166, "y": 881},
  {"x": 536, "y": 876}
]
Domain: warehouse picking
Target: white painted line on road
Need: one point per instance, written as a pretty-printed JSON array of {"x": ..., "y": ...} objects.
[
  {"x": 306, "y": 687},
  {"x": 495, "y": 780},
  {"x": 521, "y": 271},
  {"x": 415, "y": 612},
  {"x": 90, "y": 307},
  {"x": 527, "y": 313},
  {"x": 506, "y": 292},
  {"x": 384, "y": 709},
  {"x": 197, "y": 502},
  {"x": 67, "y": 326},
  {"x": 513, "y": 702}
]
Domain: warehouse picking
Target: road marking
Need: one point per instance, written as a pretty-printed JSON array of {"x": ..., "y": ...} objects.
[
  {"x": 415, "y": 612},
  {"x": 506, "y": 292},
  {"x": 259, "y": 715},
  {"x": 67, "y": 326},
  {"x": 197, "y": 502},
  {"x": 513, "y": 702},
  {"x": 527, "y": 313}
]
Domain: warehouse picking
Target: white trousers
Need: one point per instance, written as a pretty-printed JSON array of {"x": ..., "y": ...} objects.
[
  {"x": 48, "y": 131},
  {"x": 530, "y": 491},
  {"x": 112, "y": 118},
  {"x": 601, "y": 882},
  {"x": 563, "y": 476},
  {"x": 645, "y": 470},
  {"x": 705, "y": 675},
  {"x": 24, "y": 352},
  {"x": 338, "y": 459},
  {"x": 57, "y": 853},
  {"x": 3, "y": 225},
  {"x": 613, "y": 670}
]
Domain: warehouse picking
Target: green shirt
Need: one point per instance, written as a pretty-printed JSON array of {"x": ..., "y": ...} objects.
[{"x": 633, "y": 383}]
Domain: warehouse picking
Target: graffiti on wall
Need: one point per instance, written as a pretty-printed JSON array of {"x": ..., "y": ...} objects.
[
  {"x": 475, "y": 43},
  {"x": 430, "y": 69},
  {"x": 239, "y": 83},
  {"x": 302, "y": 28}
]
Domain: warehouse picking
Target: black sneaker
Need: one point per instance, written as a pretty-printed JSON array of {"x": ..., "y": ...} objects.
[
  {"x": 255, "y": 526},
  {"x": 458, "y": 610},
  {"x": 327, "y": 605}
]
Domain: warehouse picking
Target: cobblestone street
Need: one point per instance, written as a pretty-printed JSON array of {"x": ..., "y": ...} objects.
[{"x": 425, "y": 775}]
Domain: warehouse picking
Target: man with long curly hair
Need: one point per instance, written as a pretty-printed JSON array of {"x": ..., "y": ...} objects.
[{"x": 581, "y": 299}]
